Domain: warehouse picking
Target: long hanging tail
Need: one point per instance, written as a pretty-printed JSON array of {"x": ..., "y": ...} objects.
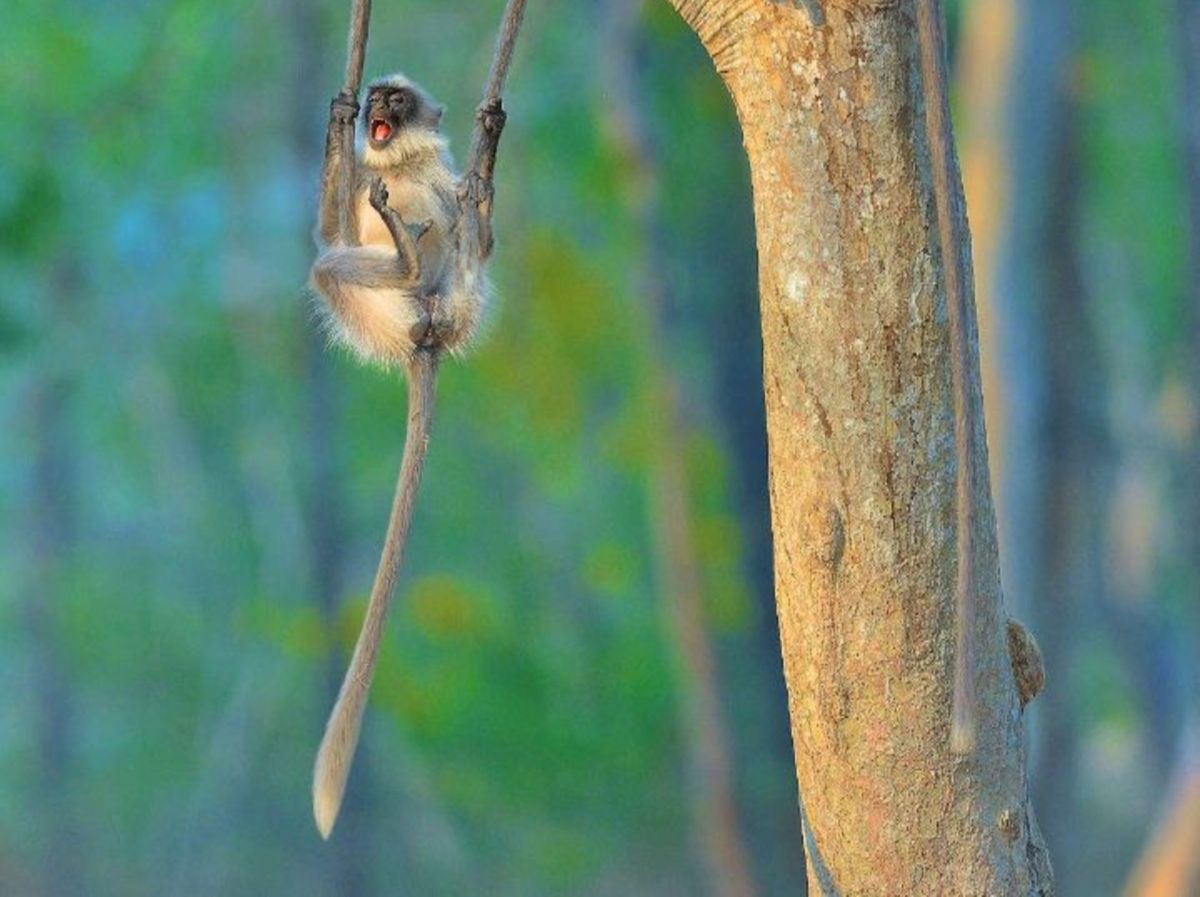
[
  {"x": 944, "y": 166},
  {"x": 341, "y": 732},
  {"x": 963, "y": 718}
]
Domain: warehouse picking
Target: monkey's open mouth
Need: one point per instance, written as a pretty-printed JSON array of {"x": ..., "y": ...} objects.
[{"x": 381, "y": 131}]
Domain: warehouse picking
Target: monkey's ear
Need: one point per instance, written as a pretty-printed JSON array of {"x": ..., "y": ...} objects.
[{"x": 438, "y": 111}]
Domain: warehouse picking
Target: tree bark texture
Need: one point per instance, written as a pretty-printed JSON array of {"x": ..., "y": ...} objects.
[{"x": 857, "y": 378}]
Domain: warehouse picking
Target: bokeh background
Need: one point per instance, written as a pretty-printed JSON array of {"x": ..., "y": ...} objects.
[{"x": 581, "y": 689}]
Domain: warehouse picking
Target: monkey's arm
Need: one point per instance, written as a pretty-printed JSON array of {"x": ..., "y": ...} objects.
[
  {"x": 478, "y": 188},
  {"x": 405, "y": 235},
  {"x": 337, "y": 222}
]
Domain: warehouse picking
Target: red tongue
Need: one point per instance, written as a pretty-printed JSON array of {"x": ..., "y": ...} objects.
[{"x": 381, "y": 130}]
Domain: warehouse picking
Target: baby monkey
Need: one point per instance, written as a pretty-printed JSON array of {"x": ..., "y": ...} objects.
[{"x": 405, "y": 241}]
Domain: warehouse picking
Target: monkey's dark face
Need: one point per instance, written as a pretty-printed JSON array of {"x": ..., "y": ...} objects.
[{"x": 390, "y": 110}]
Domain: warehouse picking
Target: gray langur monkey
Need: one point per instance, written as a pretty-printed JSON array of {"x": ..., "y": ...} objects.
[
  {"x": 400, "y": 284},
  {"x": 405, "y": 241}
]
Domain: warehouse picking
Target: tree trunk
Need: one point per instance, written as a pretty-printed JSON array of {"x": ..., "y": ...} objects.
[{"x": 857, "y": 376}]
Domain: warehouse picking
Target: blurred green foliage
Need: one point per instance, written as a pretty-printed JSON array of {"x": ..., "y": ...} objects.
[{"x": 160, "y": 169}]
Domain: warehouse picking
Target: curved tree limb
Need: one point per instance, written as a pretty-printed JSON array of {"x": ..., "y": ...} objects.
[
  {"x": 475, "y": 191},
  {"x": 356, "y": 50}
]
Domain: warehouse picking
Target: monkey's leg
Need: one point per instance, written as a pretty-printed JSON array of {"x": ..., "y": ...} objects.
[
  {"x": 459, "y": 310},
  {"x": 373, "y": 306}
]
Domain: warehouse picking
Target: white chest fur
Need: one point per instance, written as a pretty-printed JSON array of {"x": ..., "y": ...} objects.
[{"x": 417, "y": 201}]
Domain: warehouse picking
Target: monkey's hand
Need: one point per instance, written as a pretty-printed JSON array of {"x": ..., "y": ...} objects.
[
  {"x": 378, "y": 196},
  {"x": 343, "y": 110},
  {"x": 491, "y": 116}
]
